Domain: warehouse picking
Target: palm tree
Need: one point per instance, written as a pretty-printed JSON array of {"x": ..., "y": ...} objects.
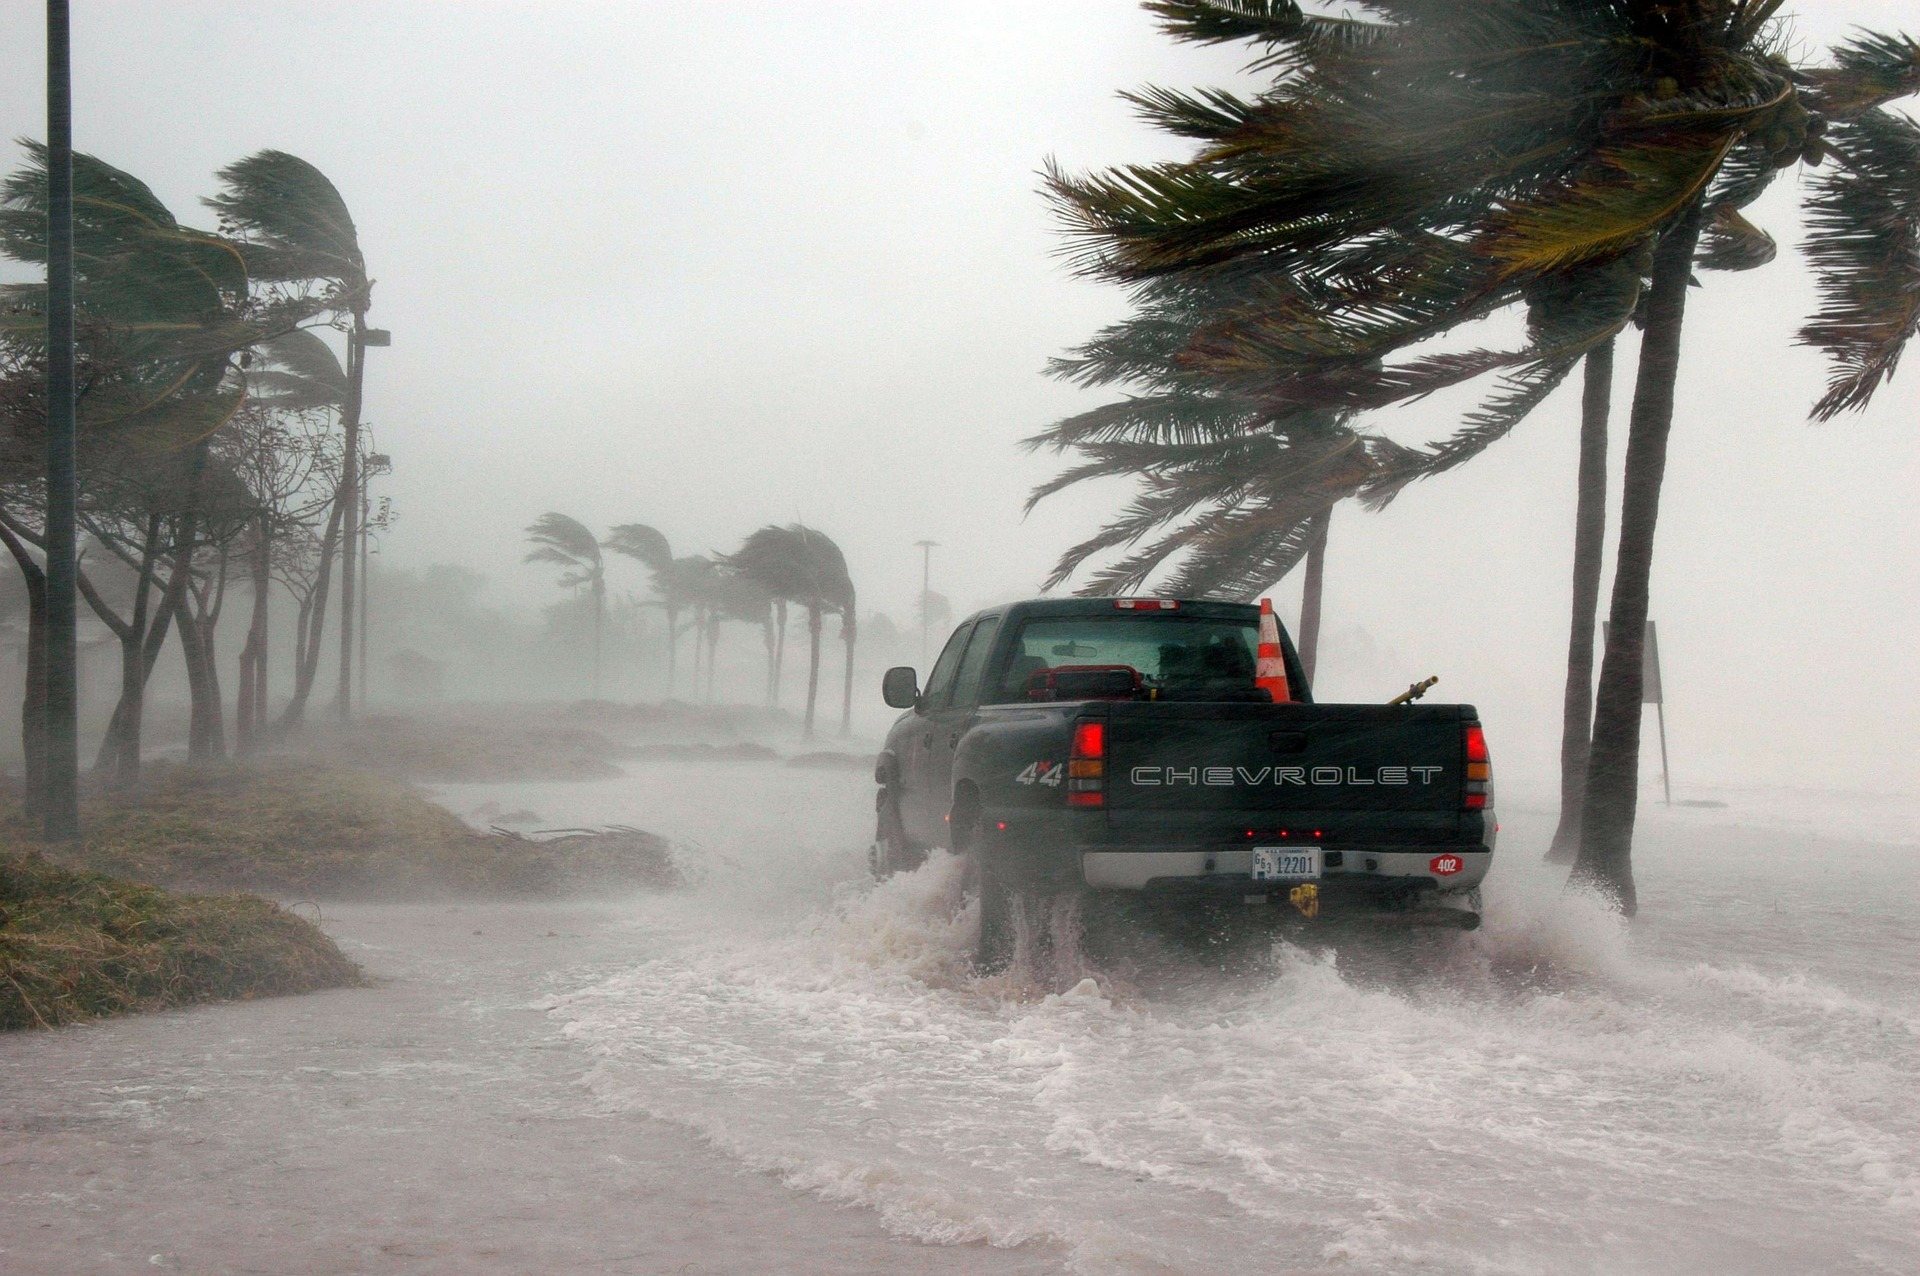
[
  {"x": 1449, "y": 158},
  {"x": 567, "y": 542},
  {"x": 296, "y": 373},
  {"x": 799, "y": 565},
  {"x": 649, "y": 547},
  {"x": 295, "y": 229},
  {"x": 690, "y": 584},
  {"x": 734, "y": 596}
]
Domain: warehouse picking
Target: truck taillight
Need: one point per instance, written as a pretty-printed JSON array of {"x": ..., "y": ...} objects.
[
  {"x": 1087, "y": 765},
  {"x": 1146, "y": 604},
  {"x": 1478, "y": 795}
]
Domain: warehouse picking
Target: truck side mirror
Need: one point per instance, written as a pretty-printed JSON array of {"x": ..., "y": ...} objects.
[{"x": 900, "y": 687}]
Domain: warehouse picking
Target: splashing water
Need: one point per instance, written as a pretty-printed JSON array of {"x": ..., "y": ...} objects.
[{"x": 1716, "y": 1087}]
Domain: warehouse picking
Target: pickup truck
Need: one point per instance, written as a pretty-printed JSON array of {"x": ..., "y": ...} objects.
[{"x": 1126, "y": 744}]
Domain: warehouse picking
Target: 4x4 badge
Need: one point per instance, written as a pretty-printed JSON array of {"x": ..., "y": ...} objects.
[{"x": 1050, "y": 774}]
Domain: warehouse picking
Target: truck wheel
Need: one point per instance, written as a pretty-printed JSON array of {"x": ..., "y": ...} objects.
[
  {"x": 892, "y": 852},
  {"x": 993, "y": 950}
]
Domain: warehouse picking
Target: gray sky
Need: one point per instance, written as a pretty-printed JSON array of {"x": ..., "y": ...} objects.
[{"x": 710, "y": 265}]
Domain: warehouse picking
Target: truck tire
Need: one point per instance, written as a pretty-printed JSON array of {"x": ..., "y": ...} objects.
[
  {"x": 993, "y": 949},
  {"x": 892, "y": 852}
]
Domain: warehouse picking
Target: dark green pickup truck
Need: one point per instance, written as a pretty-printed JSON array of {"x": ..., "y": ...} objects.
[{"x": 1125, "y": 744}]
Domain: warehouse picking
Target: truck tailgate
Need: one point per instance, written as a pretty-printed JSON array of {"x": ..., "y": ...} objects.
[{"x": 1380, "y": 765}]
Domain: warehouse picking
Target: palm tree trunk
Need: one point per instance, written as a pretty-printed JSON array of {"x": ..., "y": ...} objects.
[
  {"x": 1589, "y": 537},
  {"x": 1613, "y": 768},
  {"x": 766, "y": 635},
  {"x": 847, "y": 634},
  {"x": 249, "y": 709},
  {"x": 315, "y": 610},
  {"x": 779, "y": 646},
  {"x": 1311, "y": 594},
  {"x": 599, "y": 618},
  {"x": 813, "y": 664},
  {"x": 673, "y": 647},
  {"x": 713, "y": 650}
]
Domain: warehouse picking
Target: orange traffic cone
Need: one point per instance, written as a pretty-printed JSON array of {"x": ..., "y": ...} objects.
[{"x": 1270, "y": 668}]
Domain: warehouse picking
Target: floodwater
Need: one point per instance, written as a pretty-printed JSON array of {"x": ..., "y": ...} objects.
[
  {"x": 785, "y": 1067},
  {"x": 1730, "y": 1083}
]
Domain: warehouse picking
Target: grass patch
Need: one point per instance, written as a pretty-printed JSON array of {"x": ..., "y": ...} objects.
[
  {"x": 76, "y": 945},
  {"x": 296, "y": 828},
  {"x": 462, "y": 746}
]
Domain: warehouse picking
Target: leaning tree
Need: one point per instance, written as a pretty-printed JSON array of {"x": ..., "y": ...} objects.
[
  {"x": 556, "y": 538},
  {"x": 799, "y": 565}
]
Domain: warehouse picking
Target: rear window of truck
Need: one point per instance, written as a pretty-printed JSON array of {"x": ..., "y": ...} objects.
[{"x": 1174, "y": 655}]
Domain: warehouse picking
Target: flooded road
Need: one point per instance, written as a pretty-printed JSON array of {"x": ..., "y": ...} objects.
[
  {"x": 697, "y": 1080},
  {"x": 1730, "y": 1084}
]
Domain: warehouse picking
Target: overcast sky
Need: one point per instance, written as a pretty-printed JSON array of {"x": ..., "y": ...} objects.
[{"x": 711, "y": 265}]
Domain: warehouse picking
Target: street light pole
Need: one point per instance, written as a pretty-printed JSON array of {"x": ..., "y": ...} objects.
[
  {"x": 926, "y": 591},
  {"x": 359, "y": 338},
  {"x": 60, "y": 742}
]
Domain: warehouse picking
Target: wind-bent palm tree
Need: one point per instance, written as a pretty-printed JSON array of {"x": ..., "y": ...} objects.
[
  {"x": 567, "y": 542},
  {"x": 296, "y": 372},
  {"x": 1554, "y": 136},
  {"x": 799, "y": 565},
  {"x": 685, "y": 584},
  {"x": 295, "y": 228},
  {"x": 649, "y": 547},
  {"x": 734, "y": 596}
]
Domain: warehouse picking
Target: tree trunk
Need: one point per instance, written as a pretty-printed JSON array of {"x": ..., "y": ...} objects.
[
  {"x": 1589, "y": 537},
  {"x": 1613, "y": 768},
  {"x": 779, "y": 647},
  {"x": 673, "y": 649},
  {"x": 193, "y": 653},
  {"x": 249, "y": 705},
  {"x": 848, "y": 632},
  {"x": 713, "y": 650},
  {"x": 140, "y": 647},
  {"x": 813, "y": 664},
  {"x": 766, "y": 636},
  {"x": 1309, "y": 636},
  {"x": 348, "y": 504},
  {"x": 199, "y": 622},
  {"x": 33, "y": 704},
  {"x": 599, "y": 617},
  {"x": 315, "y": 616}
]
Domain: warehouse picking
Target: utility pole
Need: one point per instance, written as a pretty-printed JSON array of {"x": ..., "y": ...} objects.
[
  {"x": 62, "y": 742},
  {"x": 926, "y": 590},
  {"x": 376, "y": 463},
  {"x": 359, "y": 338}
]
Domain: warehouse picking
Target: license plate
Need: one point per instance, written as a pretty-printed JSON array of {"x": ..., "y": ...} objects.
[{"x": 1285, "y": 864}]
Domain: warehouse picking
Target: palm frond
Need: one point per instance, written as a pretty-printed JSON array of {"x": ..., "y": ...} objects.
[
  {"x": 559, "y": 538},
  {"x": 1864, "y": 244},
  {"x": 293, "y": 219}
]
